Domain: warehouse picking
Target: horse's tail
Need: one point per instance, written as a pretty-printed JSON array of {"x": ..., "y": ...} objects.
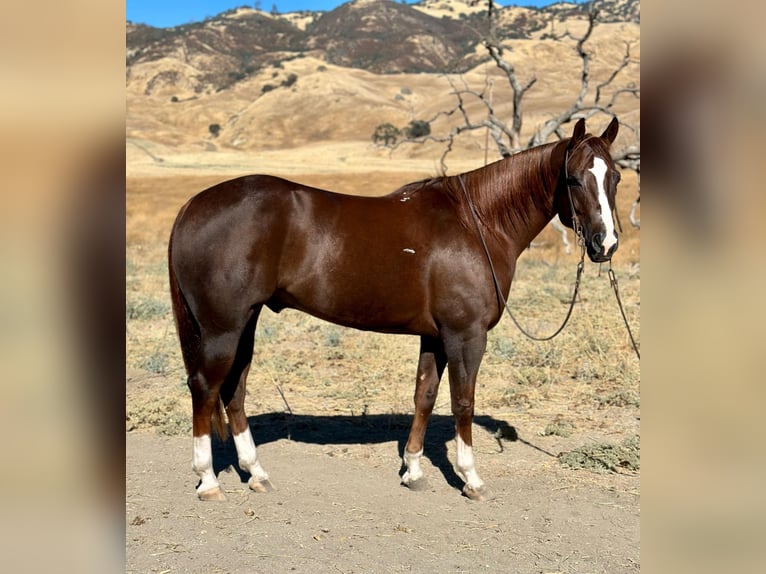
[{"x": 189, "y": 335}]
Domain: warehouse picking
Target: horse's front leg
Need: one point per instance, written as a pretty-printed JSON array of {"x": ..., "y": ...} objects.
[
  {"x": 464, "y": 355},
  {"x": 430, "y": 368}
]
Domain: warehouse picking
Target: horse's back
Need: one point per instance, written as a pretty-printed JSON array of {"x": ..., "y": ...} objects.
[
  {"x": 358, "y": 261},
  {"x": 240, "y": 195}
]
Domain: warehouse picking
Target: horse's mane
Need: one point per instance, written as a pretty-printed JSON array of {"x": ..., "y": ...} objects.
[
  {"x": 506, "y": 192},
  {"x": 503, "y": 193}
]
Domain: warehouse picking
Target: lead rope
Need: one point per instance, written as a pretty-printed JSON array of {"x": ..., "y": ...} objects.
[
  {"x": 580, "y": 265},
  {"x": 616, "y": 289}
]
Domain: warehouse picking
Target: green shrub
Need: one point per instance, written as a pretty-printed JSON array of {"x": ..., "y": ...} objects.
[
  {"x": 386, "y": 134},
  {"x": 417, "y": 129}
]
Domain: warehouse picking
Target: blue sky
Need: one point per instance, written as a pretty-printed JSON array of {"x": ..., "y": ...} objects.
[{"x": 166, "y": 13}]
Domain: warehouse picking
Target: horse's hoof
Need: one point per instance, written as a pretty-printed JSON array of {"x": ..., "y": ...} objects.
[
  {"x": 260, "y": 485},
  {"x": 478, "y": 494},
  {"x": 212, "y": 494},
  {"x": 417, "y": 485}
]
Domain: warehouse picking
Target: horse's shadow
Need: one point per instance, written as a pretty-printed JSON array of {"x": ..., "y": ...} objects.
[{"x": 361, "y": 429}]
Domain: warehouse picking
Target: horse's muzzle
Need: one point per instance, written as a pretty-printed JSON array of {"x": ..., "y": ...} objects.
[{"x": 596, "y": 249}]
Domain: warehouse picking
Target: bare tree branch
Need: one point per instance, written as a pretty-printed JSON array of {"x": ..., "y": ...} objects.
[
  {"x": 553, "y": 125},
  {"x": 496, "y": 53},
  {"x": 507, "y": 134},
  {"x": 626, "y": 61}
]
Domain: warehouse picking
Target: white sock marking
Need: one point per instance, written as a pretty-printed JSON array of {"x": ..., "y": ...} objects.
[
  {"x": 247, "y": 456},
  {"x": 202, "y": 463},
  {"x": 412, "y": 462},
  {"x": 599, "y": 172},
  {"x": 465, "y": 464}
]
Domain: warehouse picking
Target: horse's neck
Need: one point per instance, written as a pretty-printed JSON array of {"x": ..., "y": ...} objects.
[{"x": 532, "y": 205}]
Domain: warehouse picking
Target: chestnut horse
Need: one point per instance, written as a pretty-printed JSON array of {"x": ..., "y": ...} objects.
[{"x": 410, "y": 262}]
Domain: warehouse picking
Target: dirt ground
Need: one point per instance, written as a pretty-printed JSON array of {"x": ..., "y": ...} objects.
[{"x": 338, "y": 507}]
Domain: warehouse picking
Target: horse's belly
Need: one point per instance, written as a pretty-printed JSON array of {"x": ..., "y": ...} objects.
[{"x": 361, "y": 308}]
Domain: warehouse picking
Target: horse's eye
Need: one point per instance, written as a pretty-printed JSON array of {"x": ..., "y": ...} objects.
[{"x": 574, "y": 182}]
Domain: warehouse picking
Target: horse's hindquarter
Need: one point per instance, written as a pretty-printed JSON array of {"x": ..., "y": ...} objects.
[{"x": 225, "y": 247}]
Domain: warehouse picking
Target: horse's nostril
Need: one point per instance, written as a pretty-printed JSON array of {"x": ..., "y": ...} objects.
[{"x": 597, "y": 241}]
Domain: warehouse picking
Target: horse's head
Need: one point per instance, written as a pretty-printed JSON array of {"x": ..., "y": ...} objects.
[{"x": 591, "y": 179}]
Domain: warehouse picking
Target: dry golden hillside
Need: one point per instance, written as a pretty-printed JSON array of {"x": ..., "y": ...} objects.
[{"x": 323, "y": 115}]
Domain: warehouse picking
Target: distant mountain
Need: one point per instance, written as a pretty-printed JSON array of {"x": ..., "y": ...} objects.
[
  {"x": 212, "y": 55},
  {"x": 379, "y": 36},
  {"x": 609, "y": 10},
  {"x": 386, "y": 37}
]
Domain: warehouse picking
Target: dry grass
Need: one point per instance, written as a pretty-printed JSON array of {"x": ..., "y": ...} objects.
[{"x": 587, "y": 378}]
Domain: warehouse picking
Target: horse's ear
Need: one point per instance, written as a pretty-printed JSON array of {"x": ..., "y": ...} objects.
[
  {"x": 610, "y": 133},
  {"x": 579, "y": 131}
]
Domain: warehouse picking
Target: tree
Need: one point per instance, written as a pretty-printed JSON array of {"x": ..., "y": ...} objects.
[
  {"x": 386, "y": 134},
  {"x": 507, "y": 133},
  {"x": 417, "y": 129},
  {"x": 290, "y": 80}
]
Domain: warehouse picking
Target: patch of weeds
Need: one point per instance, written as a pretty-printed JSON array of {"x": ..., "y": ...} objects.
[
  {"x": 158, "y": 268},
  {"x": 624, "y": 398},
  {"x": 146, "y": 308},
  {"x": 266, "y": 332},
  {"x": 130, "y": 266},
  {"x": 513, "y": 397},
  {"x": 532, "y": 376},
  {"x": 158, "y": 362},
  {"x": 586, "y": 372},
  {"x": 278, "y": 364},
  {"x": 550, "y": 357},
  {"x": 605, "y": 457},
  {"x": 332, "y": 338},
  {"x": 503, "y": 348},
  {"x": 598, "y": 346},
  {"x": 558, "y": 427},
  {"x": 165, "y": 416}
]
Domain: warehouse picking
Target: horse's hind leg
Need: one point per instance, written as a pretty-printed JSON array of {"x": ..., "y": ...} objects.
[
  {"x": 247, "y": 456},
  {"x": 215, "y": 362},
  {"x": 430, "y": 368}
]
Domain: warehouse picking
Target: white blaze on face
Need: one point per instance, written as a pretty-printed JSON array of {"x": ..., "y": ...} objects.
[{"x": 599, "y": 172}]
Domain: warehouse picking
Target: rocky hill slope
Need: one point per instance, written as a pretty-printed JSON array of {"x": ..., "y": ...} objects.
[
  {"x": 249, "y": 81},
  {"x": 380, "y": 36}
]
